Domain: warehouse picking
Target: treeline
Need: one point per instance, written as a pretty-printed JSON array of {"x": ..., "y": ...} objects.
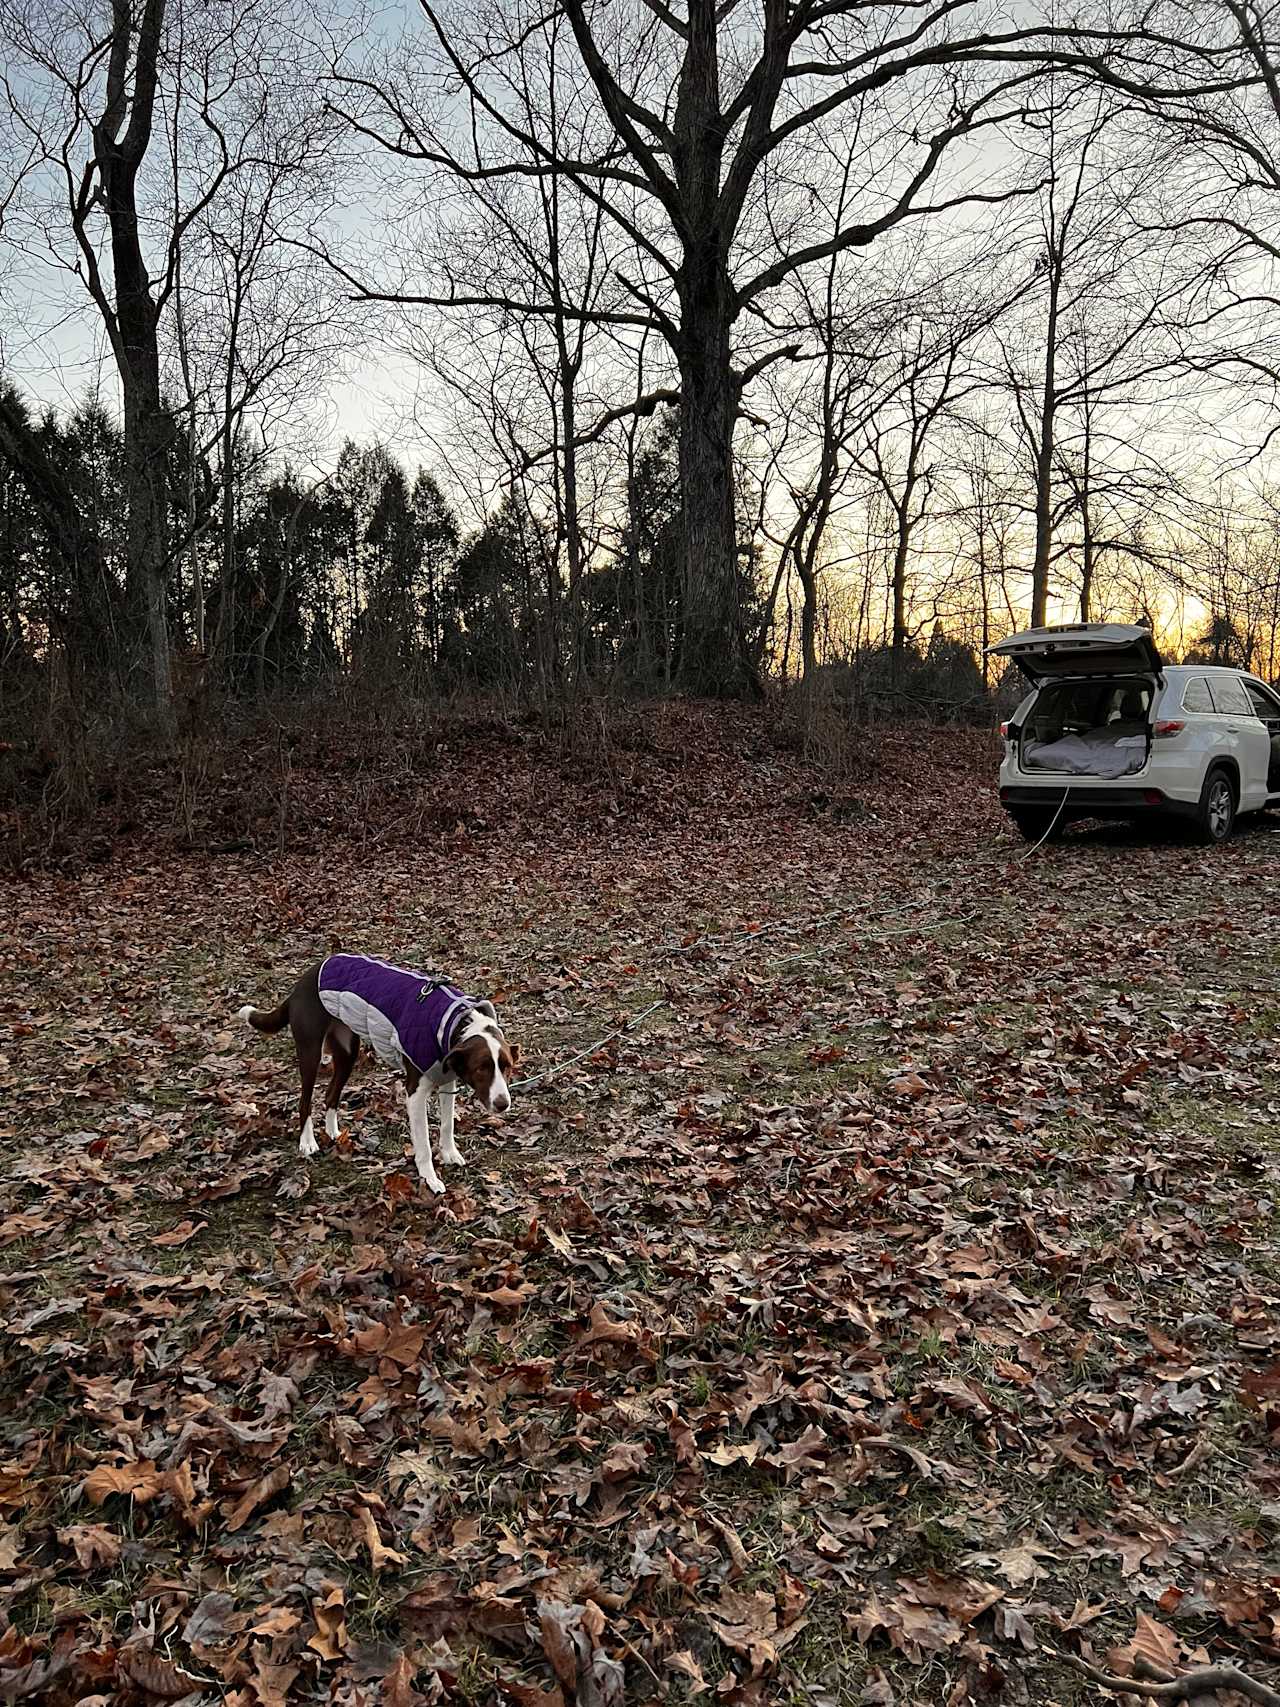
[
  {"x": 369, "y": 573},
  {"x": 367, "y": 570},
  {"x": 754, "y": 341}
]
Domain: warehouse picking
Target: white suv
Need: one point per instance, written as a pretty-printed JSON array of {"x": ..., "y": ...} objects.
[{"x": 1111, "y": 731}]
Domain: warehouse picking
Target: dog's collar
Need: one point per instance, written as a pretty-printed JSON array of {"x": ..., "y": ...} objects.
[{"x": 455, "y": 1018}]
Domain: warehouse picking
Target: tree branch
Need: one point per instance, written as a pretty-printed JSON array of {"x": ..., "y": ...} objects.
[
  {"x": 1202, "y": 1681},
  {"x": 858, "y": 236},
  {"x": 624, "y": 113},
  {"x": 500, "y": 304}
]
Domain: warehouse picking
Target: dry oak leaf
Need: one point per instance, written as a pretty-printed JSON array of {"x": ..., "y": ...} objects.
[
  {"x": 271, "y": 1683},
  {"x": 508, "y": 1297},
  {"x": 739, "y": 1561},
  {"x": 603, "y": 1330},
  {"x": 379, "y": 1553},
  {"x": 154, "y": 1674},
  {"x": 397, "y": 1685},
  {"x": 923, "y": 1630},
  {"x": 909, "y": 1085},
  {"x": 182, "y": 1234},
  {"x": 94, "y": 1545},
  {"x": 140, "y": 1479},
  {"x": 961, "y": 1597},
  {"x": 623, "y": 1458},
  {"x": 401, "y": 1342},
  {"x": 687, "y": 1666},
  {"x": 265, "y": 1488},
  {"x": 275, "y": 1621},
  {"x": 806, "y": 1453},
  {"x": 748, "y": 1623},
  {"x": 210, "y": 1623},
  {"x": 35, "y": 1677},
  {"x": 1154, "y": 1651},
  {"x": 557, "y": 1625},
  {"x": 330, "y": 1614},
  {"x": 733, "y": 1452},
  {"x": 1019, "y": 1565}
]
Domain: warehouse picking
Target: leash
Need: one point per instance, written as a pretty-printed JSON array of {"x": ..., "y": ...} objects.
[
  {"x": 1053, "y": 824},
  {"x": 751, "y": 935},
  {"x": 593, "y": 1048}
]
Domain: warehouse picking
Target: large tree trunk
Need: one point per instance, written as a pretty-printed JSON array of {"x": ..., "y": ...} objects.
[
  {"x": 147, "y": 437},
  {"x": 714, "y": 657},
  {"x": 147, "y": 426}
]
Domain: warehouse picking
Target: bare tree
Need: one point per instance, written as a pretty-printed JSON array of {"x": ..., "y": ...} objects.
[
  {"x": 1097, "y": 339},
  {"x": 703, "y": 121},
  {"x": 97, "y": 139},
  {"x": 929, "y": 380},
  {"x": 134, "y": 120},
  {"x": 523, "y": 377}
]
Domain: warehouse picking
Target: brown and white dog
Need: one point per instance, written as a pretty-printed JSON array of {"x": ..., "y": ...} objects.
[{"x": 423, "y": 1027}]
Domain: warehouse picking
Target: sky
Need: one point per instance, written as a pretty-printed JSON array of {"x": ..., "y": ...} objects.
[{"x": 54, "y": 345}]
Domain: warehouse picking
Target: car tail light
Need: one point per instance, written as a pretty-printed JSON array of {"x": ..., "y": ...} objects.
[
  {"x": 1152, "y": 797},
  {"x": 1169, "y": 726},
  {"x": 1004, "y": 731}
]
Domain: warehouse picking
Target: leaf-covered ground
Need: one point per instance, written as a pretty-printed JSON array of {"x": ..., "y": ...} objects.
[{"x": 890, "y": 1313}]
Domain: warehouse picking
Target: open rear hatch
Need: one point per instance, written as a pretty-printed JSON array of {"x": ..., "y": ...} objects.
[
  {"x": 1082, "y": 649},
  {"x": 1091, "y": 715}
]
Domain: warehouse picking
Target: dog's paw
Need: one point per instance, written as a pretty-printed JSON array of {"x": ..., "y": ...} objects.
[
  {"x": 452, "y": 1158},
  {"x": 331, "y": 1124},
  {"x": 433, "y": 1182},
  {"x": 307, "y": 1145}
]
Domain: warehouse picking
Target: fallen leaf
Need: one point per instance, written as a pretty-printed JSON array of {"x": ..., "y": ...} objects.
[
  {"x": 94, "y": 1545},
  {"x": 379, "y": 1554},
  {"x": 182, "y": 1234},
  {"x": 264, "y": 1489},
  {"x": 139, "y": 1480}
]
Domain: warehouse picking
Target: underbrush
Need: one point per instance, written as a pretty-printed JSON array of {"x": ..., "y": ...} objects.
[{"x": 361, "y": 761}]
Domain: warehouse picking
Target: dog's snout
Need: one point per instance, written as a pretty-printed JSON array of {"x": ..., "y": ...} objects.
[{"x": 501, "y": 1103}]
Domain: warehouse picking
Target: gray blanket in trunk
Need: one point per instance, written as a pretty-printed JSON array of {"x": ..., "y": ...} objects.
[{"x": 1119, "y": 749}]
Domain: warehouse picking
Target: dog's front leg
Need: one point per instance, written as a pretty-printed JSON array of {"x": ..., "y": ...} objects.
[
  {"x": 420, "y": 1135},
  {"x": 449, "y": 1151}
]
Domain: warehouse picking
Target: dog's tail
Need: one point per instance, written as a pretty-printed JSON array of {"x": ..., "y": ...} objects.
[{"x": 263, "y": 1019}]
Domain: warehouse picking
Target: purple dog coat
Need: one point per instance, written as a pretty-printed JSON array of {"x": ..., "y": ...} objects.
[{"x": 402, "y": 1015}]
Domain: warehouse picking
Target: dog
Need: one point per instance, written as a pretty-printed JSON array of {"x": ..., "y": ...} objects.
[{"x": 424, "y": 1028}]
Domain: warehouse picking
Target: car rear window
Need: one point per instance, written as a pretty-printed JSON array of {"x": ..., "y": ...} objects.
[
  {"x": 1229, "y": 696},
  {"x": 1195, "y": 696},
  {"x": 1263, "y": 703},
  {"x": 1072, "y": 707}
]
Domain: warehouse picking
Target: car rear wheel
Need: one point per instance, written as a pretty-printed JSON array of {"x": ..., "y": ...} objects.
[
  {"x": 1033, "y": 822},
  {"x": 1216, "y": 815}
]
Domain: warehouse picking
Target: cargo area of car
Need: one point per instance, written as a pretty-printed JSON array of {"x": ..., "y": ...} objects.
[{"x": 1098, "y": 727}]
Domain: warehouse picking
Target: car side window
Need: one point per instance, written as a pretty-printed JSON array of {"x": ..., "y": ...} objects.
[
  {"x": 1195, "y": 696},
  {"x": 1229, "y": 696},
  {"x": 1265, "y": 704}
]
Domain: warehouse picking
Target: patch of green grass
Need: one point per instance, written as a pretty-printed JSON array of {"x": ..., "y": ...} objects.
[
  {"x": 826, "y": 1660},
  {"x": 373, "y": 1603},
  {"x": 477, "y": 1677}
]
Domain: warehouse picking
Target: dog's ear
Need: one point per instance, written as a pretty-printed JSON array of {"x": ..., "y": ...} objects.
[
  {"x": 454, "y": 1064},
  {"x": 488, "y": 1009}
]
